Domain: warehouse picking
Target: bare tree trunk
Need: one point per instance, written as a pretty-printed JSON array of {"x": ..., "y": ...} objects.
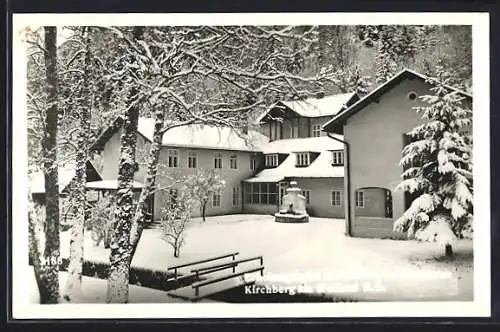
[
  {"x": 48, "y": 273},
  {"x": 203, "y": 209},
  {"x": 448, "y": 250},
  {"x": 118, "y": 279},
  {"x": 140, "y": 216},
  {"x": 34, "y": 232},
  {"x": 120, "y": 253},
  {"x": 73, "y": 287}
]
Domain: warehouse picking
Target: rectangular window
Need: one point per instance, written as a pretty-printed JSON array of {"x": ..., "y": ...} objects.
[
  {"x": 218, "y": 161},
  {"x": 216, "y": 199},
  {"x": 316, "y": 130},
  {"x": 275, "y": 130},
  {"x": 336, "y": 198},
  {"x": 255, "y": 193},
  {"x": 338, "y": 158},
  {"x": 172, "y": 158},
  {"x": 303, "y": 159},
  {"x": 236, "y": 196},
  {"x": 295, "y": 128},
  {"x": 307, "y": 195},
  {"x": 248, "y": 193},
  {"x": 253, "y": 164},
  {"x": 271, "y": 160},
  {"x": 360, "y": 199},
  {"x": 233, "y": 162},
  {"x": 272, "y": 191},
  {"x": 192, "y": 160},
  {"x": 261, "y": 193}
]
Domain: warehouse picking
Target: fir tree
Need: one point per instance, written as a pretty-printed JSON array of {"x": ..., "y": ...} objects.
[
  {"x": 438, "y": 169},
  {"x": 385, "y": 66},
  {"x": 358, "y": 82}
]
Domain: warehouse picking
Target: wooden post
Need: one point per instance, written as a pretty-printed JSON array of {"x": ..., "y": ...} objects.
[{"x": 262, "y": 264}]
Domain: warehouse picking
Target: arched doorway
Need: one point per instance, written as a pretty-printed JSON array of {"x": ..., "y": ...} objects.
[{"x": 373, "y": 202}]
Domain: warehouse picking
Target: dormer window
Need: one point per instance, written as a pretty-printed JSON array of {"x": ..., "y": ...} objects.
[
  {"x": 271, "y": 160},
  {"x": 303, "y": 159},
  {"x": 337, "y": 158}
]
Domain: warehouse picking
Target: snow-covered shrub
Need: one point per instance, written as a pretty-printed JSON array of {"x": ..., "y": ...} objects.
[
  {"x": 101, "y": 220},
  {"x": 438, "y": 170},
  {"x": 174, "y": 220}
]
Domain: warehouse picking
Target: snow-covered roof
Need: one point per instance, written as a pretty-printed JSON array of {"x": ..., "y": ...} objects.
[
  {"x": 205, "y": 136},
  {"x": 36, "y": 181},
  {"x": 110, "y": 184},
  {"x": 66, "y": 172},
  {"x": 321, "y": 167},
  {"x": 314, "y": 107},
  {"x": 312, "y": 144}
]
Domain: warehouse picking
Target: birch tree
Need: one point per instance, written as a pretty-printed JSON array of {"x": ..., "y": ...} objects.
[{"x": 73, "y": 287}]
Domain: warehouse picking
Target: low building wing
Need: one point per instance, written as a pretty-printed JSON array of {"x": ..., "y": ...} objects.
[
  {"x": 320, "y": 167},
  {"x": 66, "y": 172}
]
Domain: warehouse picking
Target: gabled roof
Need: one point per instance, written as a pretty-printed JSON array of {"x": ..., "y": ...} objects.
[
  {"x": 335, "y": 125},
  {"x": 314, "y": 107},
  {"x": 321, "y": 167}
]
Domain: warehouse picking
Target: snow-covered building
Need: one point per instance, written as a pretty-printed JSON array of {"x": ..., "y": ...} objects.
[
  {"x": 299, "y": 151},
  {"x": 256, "y": 169},
  {"x": 374, "y": 130},
  {"x": 185, "y": 150},
  {"x": 66, "y": 174}
]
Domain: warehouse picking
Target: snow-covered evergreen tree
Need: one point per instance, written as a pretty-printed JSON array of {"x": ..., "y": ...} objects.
[
  {"x": 438, "y": 168},
  {"x": 357, "y": 82},
  {"x": 385, "y": 66}
]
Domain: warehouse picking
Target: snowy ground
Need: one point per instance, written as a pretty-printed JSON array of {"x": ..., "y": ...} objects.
[
  {"x": 404, "y": 267},
  {"x": 94, "y": 291}
]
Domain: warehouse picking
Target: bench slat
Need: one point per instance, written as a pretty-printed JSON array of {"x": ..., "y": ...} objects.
[
  {"x": 202, "y": 261},
  {"x": 228, "y": 264},
  {"x": 229, "y": 276}
]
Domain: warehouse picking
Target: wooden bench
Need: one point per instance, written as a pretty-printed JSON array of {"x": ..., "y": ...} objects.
[
  {"x": 216, "y": 283},
  {"x": 213, "y": 286}
]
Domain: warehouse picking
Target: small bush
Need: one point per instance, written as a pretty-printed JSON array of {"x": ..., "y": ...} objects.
[{"x": 101, "y": 219}]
